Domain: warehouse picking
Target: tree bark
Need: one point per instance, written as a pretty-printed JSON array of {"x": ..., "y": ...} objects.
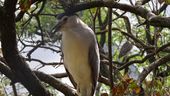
[{"x": 11, "y": 54}]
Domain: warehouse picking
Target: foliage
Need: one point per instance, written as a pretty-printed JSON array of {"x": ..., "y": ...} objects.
[{"x": 135, "y": 72}]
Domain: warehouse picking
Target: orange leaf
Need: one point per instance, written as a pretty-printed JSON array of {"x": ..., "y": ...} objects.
[
  {"x": 25, "y": 5},
  {"x": 129, "y": 80},
  {"x": 157, "y": 94},
  {"x": 119, "y": 89},
  {"x": 137, "y": 90}
]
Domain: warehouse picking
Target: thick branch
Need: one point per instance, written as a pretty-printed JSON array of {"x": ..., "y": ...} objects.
[
  {"x": 138, "y": 10},
  {"x": 66, "y": 90},
  {"x": 11, "y": 54},
  {"x": 4, "y": 69},
  {"x": 151, "y": 67},
  {"x": 43, "y": 77},
  {"x": 110, "y": 47},
  {"x": 60, "y": 75}
]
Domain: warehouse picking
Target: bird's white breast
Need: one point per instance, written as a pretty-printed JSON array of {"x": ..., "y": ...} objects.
[{"x": 76, "y": 51}]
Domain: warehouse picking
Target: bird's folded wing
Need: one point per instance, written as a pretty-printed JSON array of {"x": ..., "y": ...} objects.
[{"x": 94, "y": 62}]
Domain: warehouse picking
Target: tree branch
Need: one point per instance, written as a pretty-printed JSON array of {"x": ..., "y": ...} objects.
[
  {"x": 66, "y": 90},
  {"x": 10, "y": 51},
  {"x": 4, "y": 69},
  {"x": 151, "y": 67},
  {"x": 110, "y": 47},
  {"x": 138, "y": 10}
]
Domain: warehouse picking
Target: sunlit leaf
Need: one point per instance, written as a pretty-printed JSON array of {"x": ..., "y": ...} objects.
[
  {"x": 167, "y": 2},
  {"x": 133, "y": 85}
]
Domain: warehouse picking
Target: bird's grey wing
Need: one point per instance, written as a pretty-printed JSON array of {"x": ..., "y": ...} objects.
[
  {"x": 94, "y": 61},
  {"x": 71, "y": 78}
]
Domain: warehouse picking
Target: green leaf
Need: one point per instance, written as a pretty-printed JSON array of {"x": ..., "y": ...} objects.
[{"x": 167, "y": 2}]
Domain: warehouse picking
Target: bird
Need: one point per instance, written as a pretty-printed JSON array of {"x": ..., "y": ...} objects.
[
  {"x": 125, "y": 49},
  {"x": 81, "y": 53}
]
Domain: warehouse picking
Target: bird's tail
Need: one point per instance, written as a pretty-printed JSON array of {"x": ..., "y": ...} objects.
[{"x": 86, "y": 91}]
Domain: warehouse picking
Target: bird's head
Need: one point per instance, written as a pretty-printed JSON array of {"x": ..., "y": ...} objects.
[{"x": 66, "y": 21}]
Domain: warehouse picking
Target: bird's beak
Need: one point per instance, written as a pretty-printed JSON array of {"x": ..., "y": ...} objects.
[{"x": 58, "y": 26}]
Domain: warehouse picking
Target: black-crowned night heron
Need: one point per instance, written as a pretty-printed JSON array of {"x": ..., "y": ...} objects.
[{"x": 81, "y": 53}]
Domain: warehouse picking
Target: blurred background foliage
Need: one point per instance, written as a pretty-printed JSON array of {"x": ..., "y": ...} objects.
[{"x": 37, "y": 27}]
